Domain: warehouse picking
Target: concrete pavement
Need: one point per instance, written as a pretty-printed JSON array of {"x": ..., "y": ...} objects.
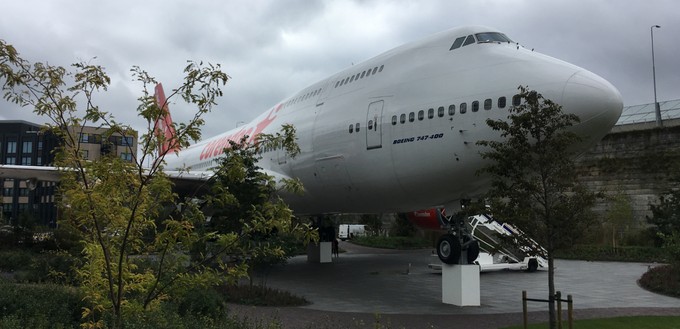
[{"x": 398, "y": 287}]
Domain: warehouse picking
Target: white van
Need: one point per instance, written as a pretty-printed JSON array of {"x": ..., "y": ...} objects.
[{"x": 348, "y": 231}]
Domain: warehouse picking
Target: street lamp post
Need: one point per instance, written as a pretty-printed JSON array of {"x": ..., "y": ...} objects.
[{"x": 657, "y": 109}]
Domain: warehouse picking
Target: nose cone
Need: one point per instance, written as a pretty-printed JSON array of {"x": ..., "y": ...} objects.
[{"x": 595, "y": 101}]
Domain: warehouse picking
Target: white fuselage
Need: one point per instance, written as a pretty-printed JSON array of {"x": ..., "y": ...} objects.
[{"x": 358, "y": 156}]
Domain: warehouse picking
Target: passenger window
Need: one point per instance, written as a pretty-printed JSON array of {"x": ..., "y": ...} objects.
[
  {"x": 463, "y": 108},
  {"x": 362, "y": 74},
  {"x": 337, "y": 84},
  {"x": 475, "y": 106},
  {"x": 351, "y": 79},
  {"x": 421, "y": 115},
  {"x": 457, "y": 43},
  {"x": 394, "y": 120},
  {"x": 411, "y": 117},
  {"x": 501, "y": 102},
  {"x": 402, "y": 118},
  {"x": 351, "y": 129},
  {"x": 516, "y": 100},
  {"x": 375, "y": 69},
  {"x": 357, "y": 127},
  {"x": 487, "y": 103},
  {"x": 381, "y": 67},
  {"x": 440, "y": 111},
  {"x": 452, "y": 109},
  {"x": 370, "y": 124},
  {"x": 430, "y": 113},
  {"x": 470, "y": 40}
]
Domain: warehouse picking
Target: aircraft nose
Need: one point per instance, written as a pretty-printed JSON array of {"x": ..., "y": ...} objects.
[{"x": 595, "y": 101}]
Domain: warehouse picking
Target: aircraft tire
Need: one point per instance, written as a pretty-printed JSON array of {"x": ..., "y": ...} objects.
[
  {"x": 532, "y": 265},
  {"x": 448, "y": 249},
  {"x": 472, "y": 252}
]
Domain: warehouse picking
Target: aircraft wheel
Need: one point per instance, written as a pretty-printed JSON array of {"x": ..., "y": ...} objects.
[
  {"x": 448, "y": 249},
  {"x": 532, "y": 265},
  {"x": 472, "y": 252}
]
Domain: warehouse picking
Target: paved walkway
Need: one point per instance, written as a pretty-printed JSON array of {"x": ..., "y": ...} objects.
[{"x": 396, "y": 288}]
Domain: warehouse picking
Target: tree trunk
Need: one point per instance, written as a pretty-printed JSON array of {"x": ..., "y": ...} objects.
[{"x": 551, "y": 291}]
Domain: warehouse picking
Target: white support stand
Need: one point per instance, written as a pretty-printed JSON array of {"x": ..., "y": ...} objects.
[
  {"x": 460, "y": 285},
  {"x": 320, "y": 253}
]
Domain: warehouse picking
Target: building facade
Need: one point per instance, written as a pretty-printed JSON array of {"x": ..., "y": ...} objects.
[{"x": 25, "y": 143}]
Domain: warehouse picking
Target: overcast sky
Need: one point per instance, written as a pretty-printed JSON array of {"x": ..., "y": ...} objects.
[{"x": 273, "y": 48}]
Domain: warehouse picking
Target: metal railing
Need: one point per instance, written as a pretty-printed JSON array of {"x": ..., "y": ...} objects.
[{"x": 558, "y": 300}]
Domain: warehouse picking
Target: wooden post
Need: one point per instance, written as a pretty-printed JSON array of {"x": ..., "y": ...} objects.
[
  {"x": 570, "y": 311},
  {"x": 558, "y": 298},
  {"x": 524, "y": 309}
]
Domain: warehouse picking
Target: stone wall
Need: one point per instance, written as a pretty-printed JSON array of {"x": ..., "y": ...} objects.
[{"x": 637, "y": 161}]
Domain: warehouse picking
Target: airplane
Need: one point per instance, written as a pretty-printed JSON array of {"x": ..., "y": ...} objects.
[{"x": 398, "y": 132}]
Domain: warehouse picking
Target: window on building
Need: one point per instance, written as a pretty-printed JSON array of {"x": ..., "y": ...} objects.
[
  {"x": 23, "y": 191},
  {"x": 126, "y": 156},
  {"x": 11, "y": 160},
  {"x": 7, "y": 207},
  {"x": 38, "y": 161},
  {"x": 40, "y": 146},
  {"x": 83, "y": 138},
  {"x": 26, "y": 160},
  {"x": 85, "y": 154},
  {"x": 27, "y": 147},
  {"x": 11, "y": 147},
  {"x": 7, "y": 191},
  {"x": 127, "y": 141}
]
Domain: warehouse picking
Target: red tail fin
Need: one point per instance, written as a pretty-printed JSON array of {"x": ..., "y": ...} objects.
[{"x": 164, "y": 124}]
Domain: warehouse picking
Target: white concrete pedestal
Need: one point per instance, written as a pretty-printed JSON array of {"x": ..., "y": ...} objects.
[
  {"x": 460, "y": 285},
  {"x": 320, "y": 253}
]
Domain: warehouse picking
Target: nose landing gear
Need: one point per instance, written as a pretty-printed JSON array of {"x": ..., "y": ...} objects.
[{"x": 458, "y": 246}]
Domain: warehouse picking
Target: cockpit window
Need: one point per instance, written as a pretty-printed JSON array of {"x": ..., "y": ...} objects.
[
  {"x": 491, "y": 37},
  {"x": 456, "y": 44},
  {"x": 470, "y": 40}
]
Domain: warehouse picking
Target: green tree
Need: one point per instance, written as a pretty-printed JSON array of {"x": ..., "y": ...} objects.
[
  {"x": 373, "y": 223},
  {"x": 533, "y": 177},
  {"x": 666, "y": 222},
  {"x": 135, "y": 251},
  {"x": 245, "y": 201},
  {"x": 619, "y": 217}
]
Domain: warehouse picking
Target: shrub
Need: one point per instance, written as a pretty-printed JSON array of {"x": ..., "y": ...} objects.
[
  {"x": 260, "y": 296},
  {"x": 663, "y": 280},
  {"x": 39, "y": 305},
  {"x": 607, "y": 253}
]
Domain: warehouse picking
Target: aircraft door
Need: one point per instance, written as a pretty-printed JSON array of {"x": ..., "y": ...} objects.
[{"x": 374, "y": 125}]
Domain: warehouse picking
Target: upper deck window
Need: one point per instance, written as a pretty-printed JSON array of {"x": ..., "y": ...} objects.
[{"x": 492, "y": 37}]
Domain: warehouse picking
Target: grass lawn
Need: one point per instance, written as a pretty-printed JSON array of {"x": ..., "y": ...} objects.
[{"x": 633, "y": 322}]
